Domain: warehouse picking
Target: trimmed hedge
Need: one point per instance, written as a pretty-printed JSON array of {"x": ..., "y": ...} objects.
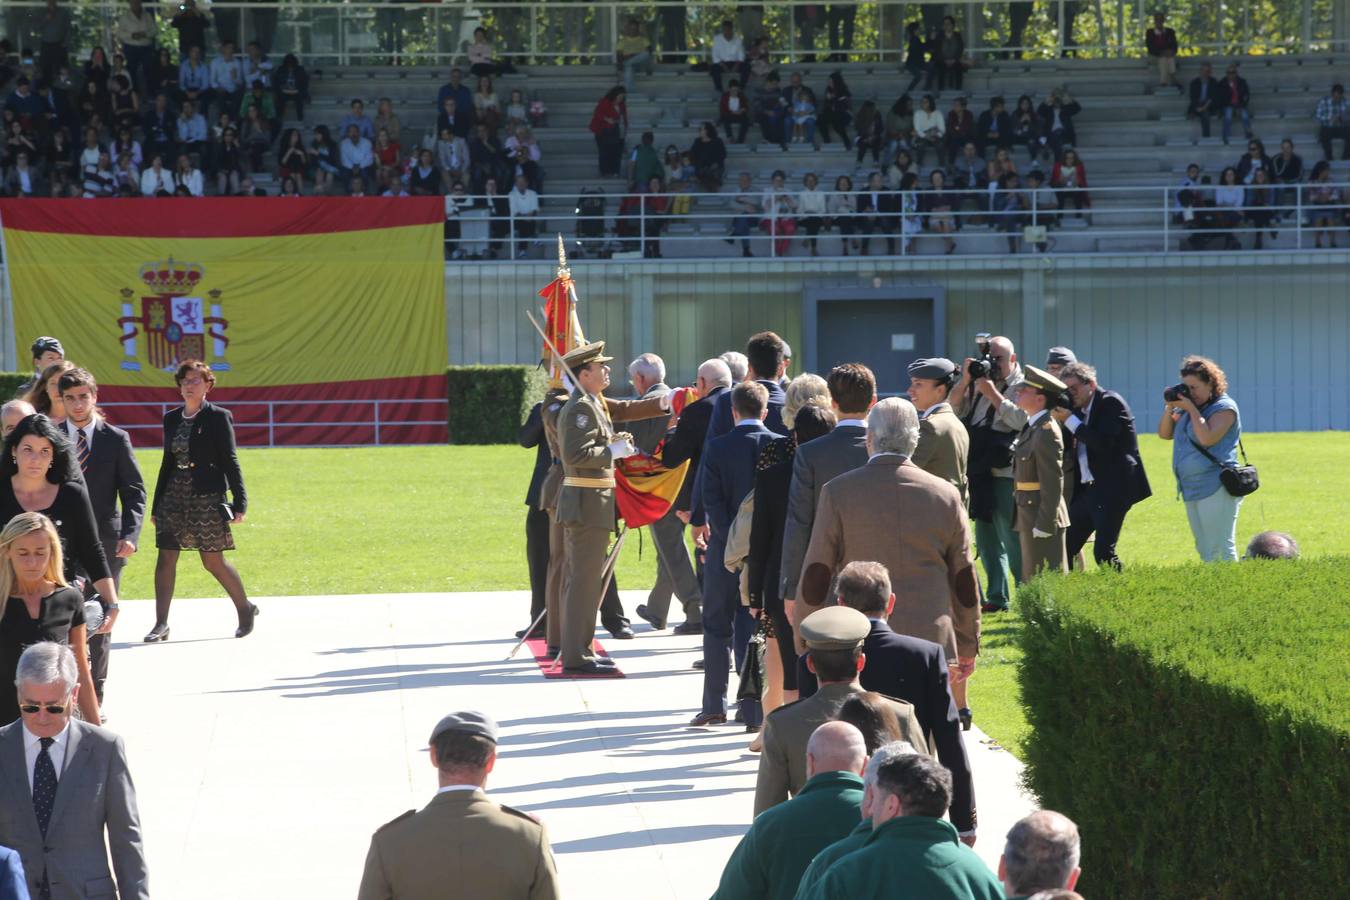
[
  {"x": 9, "y": 383},
  {"x": 1195, "y": 723},
  {"x": 488, "y": 403}
]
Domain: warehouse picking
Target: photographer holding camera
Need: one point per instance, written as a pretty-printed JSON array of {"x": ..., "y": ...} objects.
[
  {"x": 984, "y": 401},
  {"x": 1204, "y": 425}
]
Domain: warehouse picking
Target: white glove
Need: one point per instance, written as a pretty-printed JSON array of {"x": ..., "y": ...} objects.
[
  {"x": 1037, "y": 533},
  {"x": 621, "y": 449},
  {"x": 665, "y": 400}
]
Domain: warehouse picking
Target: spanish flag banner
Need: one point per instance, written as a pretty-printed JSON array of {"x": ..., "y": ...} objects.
[
  {"x": 646, "y": 489},
  {"x": 322, "y": 317}
]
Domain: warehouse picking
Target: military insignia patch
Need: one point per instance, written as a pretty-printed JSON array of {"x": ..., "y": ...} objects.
[{"x": 583, "y": 421}]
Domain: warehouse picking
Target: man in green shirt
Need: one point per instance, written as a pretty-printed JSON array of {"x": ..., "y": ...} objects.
[
  {"x": 769, "y": 861},
  {"x": 1041, "y": 854},
  {"x": 912, "y": 854}
]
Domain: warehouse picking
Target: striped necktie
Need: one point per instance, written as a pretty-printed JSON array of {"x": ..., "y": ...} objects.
[{"x": 82, "y": 449}]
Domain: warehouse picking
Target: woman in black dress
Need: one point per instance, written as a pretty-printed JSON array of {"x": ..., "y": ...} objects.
[
  {"x": 36, "y": 605},
  {"x": 189, "y": 511}
]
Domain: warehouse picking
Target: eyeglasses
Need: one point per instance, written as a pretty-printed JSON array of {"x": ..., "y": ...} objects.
[
  {"x": 191, "y": 382},
  {"x": 32, "y": 709}
]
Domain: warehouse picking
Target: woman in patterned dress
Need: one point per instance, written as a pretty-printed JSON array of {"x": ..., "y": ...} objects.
[{"x": 189, "y": 510}]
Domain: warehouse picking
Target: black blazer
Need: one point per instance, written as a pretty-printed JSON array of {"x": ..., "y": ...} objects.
[
  {"x": 1212, "y": 95},
  {"x": 113, "y": 476},
  {"x": 1113, "y": 449},
  {"x": 685, "y": 442},
  {"x": 910, "y": 668},
  {"x": 1225, "y": 98},
  {"x": 211, "y": 456},
  {"x": 531, "y": 434},
  {"x": 988, "y": 119},
  {"x": 766, "y": 536},
  {"x": 73, "y": 517}
]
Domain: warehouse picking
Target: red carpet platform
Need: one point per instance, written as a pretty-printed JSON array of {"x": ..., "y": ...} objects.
[{"x": 551, "y": 668}]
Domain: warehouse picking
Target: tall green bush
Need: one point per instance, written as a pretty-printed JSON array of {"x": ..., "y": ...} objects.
[
  {"x": 9, "y": 383},
  {"x": 488, "y": 403},
  {"x": 1195, "y": 722}
]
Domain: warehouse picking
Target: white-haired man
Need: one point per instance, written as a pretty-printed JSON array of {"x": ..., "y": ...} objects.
[
  {"x": 892, "y": 512},
  {"x": 1041, "y": 854},
  {"x": 71, "y": 804},
  {"x": 12, "y": 413}
]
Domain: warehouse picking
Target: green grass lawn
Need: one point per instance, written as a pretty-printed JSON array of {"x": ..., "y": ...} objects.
[{"x": 342, "y": 521}]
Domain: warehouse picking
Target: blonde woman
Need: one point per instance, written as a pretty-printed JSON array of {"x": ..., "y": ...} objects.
[{"x": 36, "y": 604}]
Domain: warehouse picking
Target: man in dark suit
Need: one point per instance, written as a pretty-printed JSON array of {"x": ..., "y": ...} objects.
[
  {"x": 112, "y": 478},
  {"x": 853, "y": 391},
  {"x": 69, "y": 800},
  {"x": 1110, "y": 473},
  {"x": 1205, "y": 100},
  {"x": 907, "y": 668},
  {"x": 994, "y": 127},
  {"x": 729, "y": 474},
  {"x": 531, "y": 434}
]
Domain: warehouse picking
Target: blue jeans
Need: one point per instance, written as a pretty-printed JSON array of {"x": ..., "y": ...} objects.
[
  {"x": 1228, "y": 121},
  {"x": 1214, "y": 525},
  {"x": 643, "y": 59},
  {"x": 999, "y": 546}
]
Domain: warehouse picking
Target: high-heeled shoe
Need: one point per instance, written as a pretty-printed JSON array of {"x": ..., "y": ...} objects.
[
  {"x": 246, "y": 627},
  {"x": 159, "y": 633}
]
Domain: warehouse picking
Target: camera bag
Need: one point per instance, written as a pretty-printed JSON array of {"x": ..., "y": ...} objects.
[{"x": 1238, "y": 481}]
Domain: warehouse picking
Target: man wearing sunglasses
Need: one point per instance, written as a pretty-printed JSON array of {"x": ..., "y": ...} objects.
[{"x": 74, "y": 779}]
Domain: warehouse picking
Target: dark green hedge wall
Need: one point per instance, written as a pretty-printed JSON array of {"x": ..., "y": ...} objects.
[{"x": 488, "y": 403}]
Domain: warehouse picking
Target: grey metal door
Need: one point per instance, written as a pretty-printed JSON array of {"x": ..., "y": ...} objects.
[{"x": 885, "y": 334}]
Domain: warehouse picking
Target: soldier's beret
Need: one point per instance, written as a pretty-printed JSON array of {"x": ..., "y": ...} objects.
[
  {"x": 1060, "y": 356},
  {"x": 835, "y": 628},
  {"x": 1042, "y": 380},
  {"x": 468, "y": 721},
  {"x": 937, "y": 368},
  {"x": 586, "y": 354}
]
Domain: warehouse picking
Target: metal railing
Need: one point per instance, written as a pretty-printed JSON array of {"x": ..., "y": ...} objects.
[
  {"x": 364, "y": 33},
  {"x": 1144, "y": 219},
  {"x": 374, "y": 418}
]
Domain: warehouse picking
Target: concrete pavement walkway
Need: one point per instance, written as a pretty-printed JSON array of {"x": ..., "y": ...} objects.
[{"x": 263, "y": 765}]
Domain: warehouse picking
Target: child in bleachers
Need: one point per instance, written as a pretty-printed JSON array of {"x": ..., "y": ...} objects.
[{"x": 804, "y": 116}]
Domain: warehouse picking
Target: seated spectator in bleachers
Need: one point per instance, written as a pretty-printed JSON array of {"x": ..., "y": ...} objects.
[
  {"x": 937, "y": 204},
  {"x": 229, "y": 163},
  {"x": 194, "y": 80},
  {"x": 292, "y": 159},
  {"x": 256, "y": 67},
  {"x": 747, "y": 209},
  {"x": 902, "y": 165},
  {"x": 388, "y": 152},
  {"x": 874, "y": 208},
  {"x": 967, "y": 169},
  {"x": 258, "y": 98},
  {"x": 930, "y": 131},
  {"x": 524, "y": 206},
  {"x": 680, "y": 175},
  {"x": 23, "y": 180},
  {"x": 423, "y": 179},
  {"x": 523, "y": 155},
  {"x": 758, "y": 59},
  {"x": 357, "y": 119},
  {"x": 356, "y": 157},
  {"x": 517, "y": 113},
  {"x": 391, "y": 185},
  {"x": 191, "y": 128},
  {"x": 709, "y": 157},
  {"x": 911, "y": 220},
  {"x": 99, "y": 180},
  {"x": 356, "y": 187},
  {"x": 224, "y": 121},
  {"x": 290, "y": 83},
  {"x": 1253, "y": 161},
  {"x": 1069, "y": 178},
  {"x": 1005, "y": 161},
  {"x": 59, "y": 160},
  {"x": 1184, "y": 197},
  {"x": 486, "y": 106},
  {"x": 126, "y": 177},
  {"x": 1272, "y": 545},
  {"x": 991, "y": 182},
  {"x": 632, "y": 49},
  {"x": 256, "y": 138},
  {"x": 728, "y": 56},
  {"x": 125, "y": 143},
  {"x": 463, "y": 97},
  {"x": 1010, "y": 206},
  {"x": 1235, "y": 97},
  {"x": 1205, "y": 97},
  {"x": 960, "y": 127},
  {"x": 1287, "y": 166},
  {"x": 483, "y": 56},
  {"x": 950, "y": 56},
  {"x": 96, "y": 68},
  {"x": 644, "y": 163},
  {"x": 994, "y": 128},
  {"x": 1261, "y": 197},
  {"x": 1333, "y": 120},
  {"x": 628, "y": 219},
  {"x": 159, "y": 127},
  {"x": 811, "y": 206},
  {"x": 652, "y": 220},
  {"x": 842, "y": 207},
  {"x": 779, "y": 207},
  {"x": 89, "y": 152},
  {"x": 155, "y": 178},
  {"x": 161, "y": 74},
  {"x": 772, "y": 110},
  {"x": 1042, "y": 204},
  {"x": 486, "y": 157},
  {"x": 609, "y": 123},
  {"x": 124, "y": 105},
  {"x": 18, "y": 141},
  {"x": 227, "y": 77},
  {"x": 1025, "y": 127},
  {"x": 900, "y": 126},
  {"x": 1323, "y": 200},
  {"x": 734, "y": 112},
  {"x": 1056, "y": 113},
  {"x": 499, "y": 216},
  {"x": 836, "y": 110},
  {"x": 804, "y": 116},
  {"x": 1229, "y": 199},
  {"x": 456, "y": 202},
  {"x": 93, "y": 106},
  {"x": 24, "y": 103},
  {"x": 1161, "y": 43},
  {"x": 324, "y": 153},
  {"x": 871, "y": 132},
  {"x": 289, "y": 187}
]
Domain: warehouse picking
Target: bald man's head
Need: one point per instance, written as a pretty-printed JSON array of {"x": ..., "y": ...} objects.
[
  {"x": 1041, "y": 853},
  {"x": 835, "y": 747},
  {"x": 12, "y": 413},
  {"x": 1003, "y": 355}
]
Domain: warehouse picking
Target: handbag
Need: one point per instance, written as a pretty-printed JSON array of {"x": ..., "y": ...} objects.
[
  {"x": 751, "y": 686},
  {"x": 1239, "y": 481}
]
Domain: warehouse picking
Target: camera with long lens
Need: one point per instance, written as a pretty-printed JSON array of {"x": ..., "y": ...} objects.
[
  {"x": 1176, "y": 392},
  {"x": 981, "y": 366},
  {"x": 1062, "y": 400}
]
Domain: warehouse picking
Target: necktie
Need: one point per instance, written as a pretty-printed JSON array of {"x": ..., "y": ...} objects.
[
  {"x": 82, "y": 449},
  {"x": 44, "y": 786}
]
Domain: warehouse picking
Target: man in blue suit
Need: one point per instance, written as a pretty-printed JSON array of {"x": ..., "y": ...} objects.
[{"x": 728, "y": 475}]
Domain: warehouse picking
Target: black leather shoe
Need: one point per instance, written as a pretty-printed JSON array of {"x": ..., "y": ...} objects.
[
  {"x": 752, "y": 729},
  {"x": 698, "y": 664},
  {"x": 622, "y": 634},
  {"x": 658, "y": 624},
  {"x": 588, "y": 668},
  {"x": 687, "y": 628},
  {"x": 703, "y": 720},
  {"x": 606, "y": 661},
  {"x": 246, "y": 624},
  {"x": 739, "y": 718},
  {"x": 537, "y": 633},
  {"x": 966, "y": 718},
  {"x": 159, "y": 633},
  {"x": 552, "y": 652}
]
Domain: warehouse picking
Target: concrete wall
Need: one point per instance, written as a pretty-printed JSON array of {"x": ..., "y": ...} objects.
[{"x": 1279, "y": 324}]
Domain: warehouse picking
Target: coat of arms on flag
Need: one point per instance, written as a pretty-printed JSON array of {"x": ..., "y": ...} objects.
[{"x": 174, "y": 325}]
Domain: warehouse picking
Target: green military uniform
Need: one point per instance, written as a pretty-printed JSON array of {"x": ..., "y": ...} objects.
[
  {"x": 782, "y": 762},
  {"x": 909, "y": 858},
  {"x": 556, "y": 581},
  {"x": 769, "y": 861},
  {"x": 944, "y": 446},
  {"x": 831, "y": 854},
  {"x": 1038, "y": 480}
]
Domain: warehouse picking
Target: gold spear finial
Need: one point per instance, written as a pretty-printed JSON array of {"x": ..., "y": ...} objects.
[{"x": 563, "y": 271}]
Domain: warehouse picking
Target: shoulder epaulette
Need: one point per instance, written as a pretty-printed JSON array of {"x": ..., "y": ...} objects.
[
  {"x": 519, "y": 812},
  {"x": 411, "y": 812}
]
